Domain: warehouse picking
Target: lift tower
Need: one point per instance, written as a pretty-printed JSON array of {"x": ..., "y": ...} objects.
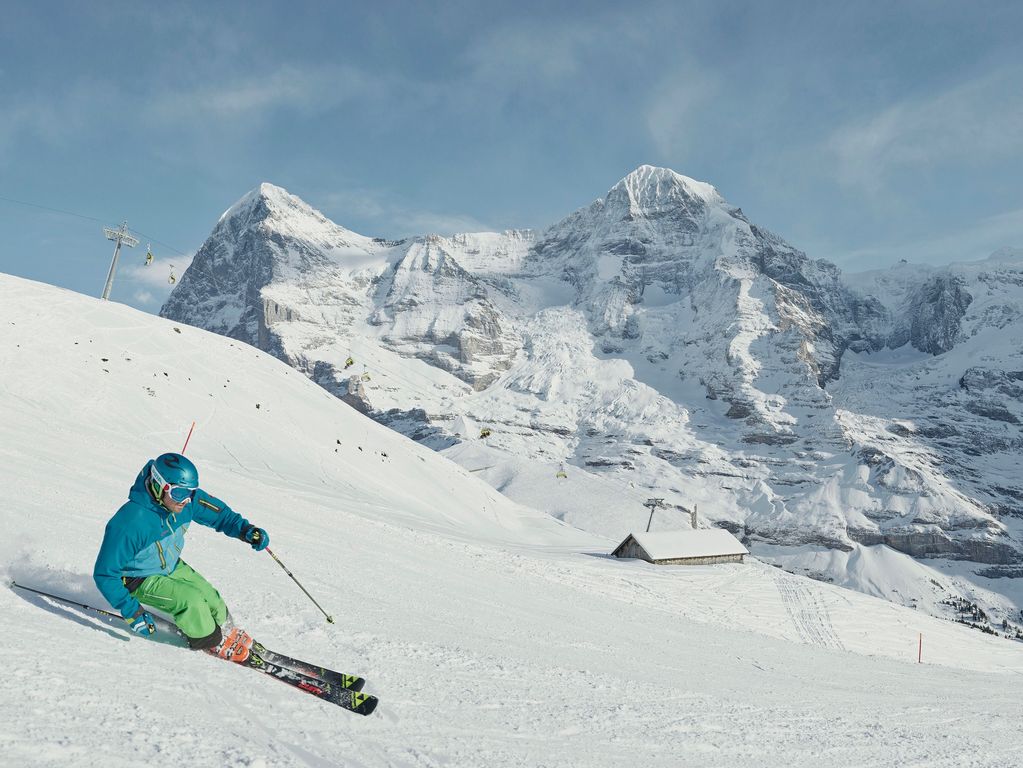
[{"x": 121, "y": 237}]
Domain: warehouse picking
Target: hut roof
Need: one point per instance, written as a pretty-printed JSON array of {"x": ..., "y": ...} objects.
[{"x": 706, "y": 542}]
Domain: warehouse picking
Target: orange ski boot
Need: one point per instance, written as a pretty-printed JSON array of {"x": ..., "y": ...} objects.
[{"x": 236, "y": 646}]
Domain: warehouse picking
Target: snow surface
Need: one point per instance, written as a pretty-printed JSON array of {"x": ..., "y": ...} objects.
[{"x": 495, "y": 635}]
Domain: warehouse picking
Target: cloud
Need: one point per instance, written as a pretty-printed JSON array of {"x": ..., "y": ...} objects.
[
  {"x": 156, "y": 276},
  {"x": 58, "y": 116},
  {"x": 433, "y": 223},
  {"x": 975, "y": 122},
  {"x": 309, "y": 90},
  {"x": 363, "y": 204},
  {"x": 530, "y": 55},
  {"x": 676, "y": 108},
  {"x": 546, "y": 63},
  {"x": 977, "y": 241},
  {"x": 395, "y": 219}
]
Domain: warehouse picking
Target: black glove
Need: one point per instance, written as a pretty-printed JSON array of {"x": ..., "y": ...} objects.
[{"x": 257, "y": 537}]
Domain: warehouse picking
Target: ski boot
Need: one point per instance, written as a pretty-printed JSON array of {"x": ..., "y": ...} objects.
[{"x": 236, "y": 646}]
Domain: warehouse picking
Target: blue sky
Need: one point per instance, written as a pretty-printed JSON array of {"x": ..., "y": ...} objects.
[{"x": 860, "y": 132}]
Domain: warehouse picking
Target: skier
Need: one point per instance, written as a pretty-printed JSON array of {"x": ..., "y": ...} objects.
[{"x": 139, "y": 562}]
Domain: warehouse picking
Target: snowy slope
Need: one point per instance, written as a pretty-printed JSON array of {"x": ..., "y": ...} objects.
[{"x": 494, "y": 635}]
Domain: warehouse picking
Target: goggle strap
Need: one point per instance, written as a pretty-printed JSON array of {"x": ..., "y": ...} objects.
[{"x": 157, "y": 477}]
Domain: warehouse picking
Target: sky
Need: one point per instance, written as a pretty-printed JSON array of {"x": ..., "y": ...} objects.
[{"x": 862, "y": 133}]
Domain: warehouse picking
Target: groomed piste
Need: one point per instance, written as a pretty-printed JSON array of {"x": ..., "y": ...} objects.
[{"x": 494, "y": 634}]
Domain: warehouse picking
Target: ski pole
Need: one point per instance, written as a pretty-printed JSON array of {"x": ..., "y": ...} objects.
[
  {"x": 67, "y": 600},
  {"x": 330, "y": 619}
]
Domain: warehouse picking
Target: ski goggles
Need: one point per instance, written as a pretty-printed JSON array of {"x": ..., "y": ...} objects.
[{"x": 180, "y": 494}]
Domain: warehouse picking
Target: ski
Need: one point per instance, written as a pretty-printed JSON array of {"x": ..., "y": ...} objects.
[
  {"x": 239, "y": 647},
  {"x": 353, "y": 701},
  {"x": 351, "y": 682}
]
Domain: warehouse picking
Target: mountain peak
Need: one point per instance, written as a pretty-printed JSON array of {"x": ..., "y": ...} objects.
[
  {"x": 267, "y": 196},
  {"x": 649, "y": 186},
  {"x": 274, "y": 207},
  {"x": 272, "y": 192}
]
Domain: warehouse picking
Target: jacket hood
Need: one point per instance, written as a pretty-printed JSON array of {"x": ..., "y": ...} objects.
[{"x": 140, "y": 494}]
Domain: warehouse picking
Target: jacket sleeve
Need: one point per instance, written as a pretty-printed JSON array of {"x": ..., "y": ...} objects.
[
  {"x": 118, "y": 548},
  {"x": 212, "y": 512}
]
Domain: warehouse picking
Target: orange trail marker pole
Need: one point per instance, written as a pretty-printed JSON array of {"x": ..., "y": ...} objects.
[{"x": 189, "y": 437}]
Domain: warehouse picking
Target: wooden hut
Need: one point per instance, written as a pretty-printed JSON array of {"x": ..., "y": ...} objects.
[{"x": 701, "y": 547}]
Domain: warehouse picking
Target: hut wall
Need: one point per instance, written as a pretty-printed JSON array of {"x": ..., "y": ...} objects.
[
  {"x": 710, "y": 560},
  {"x": 632, "y": 549}
]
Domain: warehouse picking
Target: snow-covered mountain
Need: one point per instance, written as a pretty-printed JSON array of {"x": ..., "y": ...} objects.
[
  {"x": 656, "y": 343},
  {"x": 493, "y": 635}
]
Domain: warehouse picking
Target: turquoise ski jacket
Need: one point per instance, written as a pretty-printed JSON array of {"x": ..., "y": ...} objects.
[{"x": 143, "y": 538}]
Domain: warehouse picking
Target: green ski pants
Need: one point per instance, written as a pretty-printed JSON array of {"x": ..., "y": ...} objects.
[{"x": 197, "y": 608}]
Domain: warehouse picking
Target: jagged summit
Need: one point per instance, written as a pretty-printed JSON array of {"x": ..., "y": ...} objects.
[
  {"x": 275, "y": 208},
  {"x": 269, "y": 238},
  {"x": 650, "y": 188},
  {"x": 648, "y": 194},
  {"x": 267, "y": 197}
]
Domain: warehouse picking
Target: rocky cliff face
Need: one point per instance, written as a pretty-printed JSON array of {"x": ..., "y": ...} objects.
[
  {"x": 659, "y": 340},
  {"x": 432, "y": 308},
  {"x": 936, "y": 311}
]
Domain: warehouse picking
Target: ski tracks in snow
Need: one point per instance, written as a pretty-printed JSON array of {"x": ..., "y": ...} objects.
[{"x": 807, "y": 610}]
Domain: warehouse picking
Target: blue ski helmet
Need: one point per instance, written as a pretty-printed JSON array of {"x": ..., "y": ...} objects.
[{"x": 175, "y": 471}]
